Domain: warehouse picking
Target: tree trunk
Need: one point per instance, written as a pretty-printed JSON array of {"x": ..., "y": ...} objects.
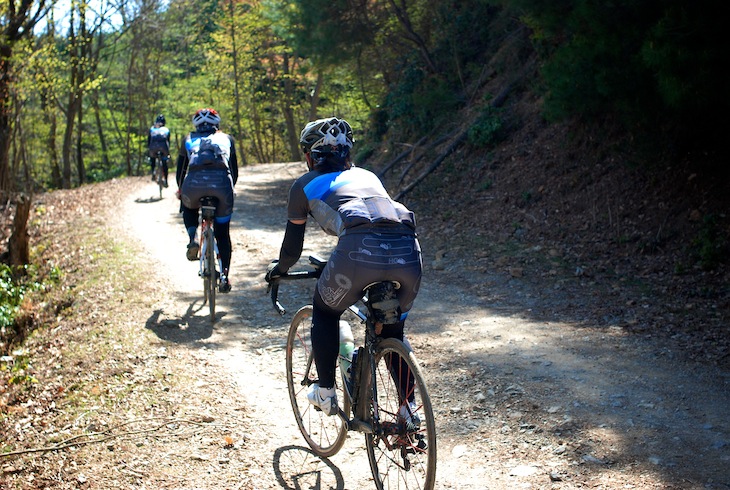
[
  {"x": 68, "y": 141},
  {"x": 16, "y": 21},
  {"x": 129, "y": 115},
  {"x": 100, "y": 131},
  {"x": 314, "y": 102},
  {"x": 18, "y": 249},
  {"x": 80, "y": 167},
  {"x": 292, "y": 135},
  {"x": 236, "y": 91},
  {"x": 6, "y": 183},
  {"x": 50, "y": 114}
]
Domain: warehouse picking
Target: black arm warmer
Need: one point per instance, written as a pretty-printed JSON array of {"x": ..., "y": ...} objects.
[{"x": 291, "y": 247}]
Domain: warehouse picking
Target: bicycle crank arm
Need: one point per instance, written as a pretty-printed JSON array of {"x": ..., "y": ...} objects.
[{"x": 357, "y": 425}]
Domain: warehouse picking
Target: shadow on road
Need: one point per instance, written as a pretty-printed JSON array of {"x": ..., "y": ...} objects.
[
  {"x": 148, "y": 200},
  {"x": 298, "y": 467},
  {"x": 185, "y": 329}
]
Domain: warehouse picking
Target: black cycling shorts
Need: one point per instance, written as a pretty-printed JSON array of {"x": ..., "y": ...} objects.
[
  {"x": 209, "y": 182},
  {"x": 361, "y": 259}
]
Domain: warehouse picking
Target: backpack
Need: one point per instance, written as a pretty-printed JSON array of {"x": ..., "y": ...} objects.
[
  {"x": 210, "y": 149},
  {"x": 159, "y": 141}
]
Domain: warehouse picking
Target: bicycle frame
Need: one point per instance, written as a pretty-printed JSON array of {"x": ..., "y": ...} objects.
[
  {"x": 387, "y": 397},
  {"x": 210, "y": 260},
  {"x": 360, "y": 422}
]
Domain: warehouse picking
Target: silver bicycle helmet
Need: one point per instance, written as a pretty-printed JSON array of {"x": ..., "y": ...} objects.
[
  {"x": 329, "y": 135},
  {"x": 209, "y": 117}
]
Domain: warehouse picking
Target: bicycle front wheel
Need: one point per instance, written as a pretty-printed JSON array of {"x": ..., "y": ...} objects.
[
  {"x": 159, "y": 175},
  {"x": 212, "y": 275},
  {"x": 324, "y": 434},
  {"x": 402, "y": 447}
]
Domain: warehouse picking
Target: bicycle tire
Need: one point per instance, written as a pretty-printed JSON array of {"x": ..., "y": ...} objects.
[
  {"x": 206, "y": 280},
  {"x": 212, "y": 275},
  {"x": 159, "y": 174},
  {"x": 400, "y": 456},
  {"x": 324, "y": 434}
]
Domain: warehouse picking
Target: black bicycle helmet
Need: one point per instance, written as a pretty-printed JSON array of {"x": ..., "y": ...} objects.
[
  {"x": 160, "y": 119},
  {"x": 327, "y": 136}
]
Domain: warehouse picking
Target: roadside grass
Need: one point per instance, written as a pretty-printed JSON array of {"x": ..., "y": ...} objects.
[
  {"x": 88, "y": 363},
  {"x": 104, "y": 400}
]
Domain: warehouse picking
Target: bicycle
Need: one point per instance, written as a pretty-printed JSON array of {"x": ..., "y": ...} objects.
[
  {"x": 210, "y": 261},
  {"x": 381, "y": 388},
  {"x": 159, "y": 173}
]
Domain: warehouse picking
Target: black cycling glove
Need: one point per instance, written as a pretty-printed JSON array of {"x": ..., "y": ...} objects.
[{"x": 272, "y": 271}]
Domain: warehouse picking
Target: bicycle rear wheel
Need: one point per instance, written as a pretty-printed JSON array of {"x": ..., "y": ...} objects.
[
  {"x": 402, "y": 455},
  {"x": 212, "y": 275},
  {"x": 324, "y": 434}
]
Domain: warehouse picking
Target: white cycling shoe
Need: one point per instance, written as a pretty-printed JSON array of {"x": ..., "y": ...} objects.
[
  {"x": 408, "y": 413},
  {"x": 328, "y": 404}
]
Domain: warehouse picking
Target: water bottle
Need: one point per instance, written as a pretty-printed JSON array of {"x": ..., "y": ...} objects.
[{"x": 347, "y": 345}]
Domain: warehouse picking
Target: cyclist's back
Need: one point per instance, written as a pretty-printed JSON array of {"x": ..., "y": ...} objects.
[
  {"x": 377, "y": 241},
  {"x": 158, "y": 145},
  {"x": 207, "y": 166},
  {"x": 377, "y": 235}
]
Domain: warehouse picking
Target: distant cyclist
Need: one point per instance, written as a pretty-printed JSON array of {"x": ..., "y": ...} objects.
[
  {"x": 377, "y": 242},
  {"x": 158, "y": 141},
  {"x": 207, "y": 166}
]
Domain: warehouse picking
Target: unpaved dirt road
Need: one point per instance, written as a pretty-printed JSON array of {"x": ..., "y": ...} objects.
[{"x": 522, "y": 400}]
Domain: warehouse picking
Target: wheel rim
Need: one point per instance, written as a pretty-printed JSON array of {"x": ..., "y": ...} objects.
[
  {"x": 324, "y": 434},
  {"x": 212, "y": 281}
]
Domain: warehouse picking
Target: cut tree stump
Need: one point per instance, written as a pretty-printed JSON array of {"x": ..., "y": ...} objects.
[{"x": 18, "y": 246}]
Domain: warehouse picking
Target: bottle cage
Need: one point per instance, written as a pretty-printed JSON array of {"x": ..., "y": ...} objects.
[{"x": 383, "y": 303}]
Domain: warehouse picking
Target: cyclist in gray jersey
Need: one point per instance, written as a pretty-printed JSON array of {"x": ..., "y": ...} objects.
[
  {"x": 207, "y": 166},
  {"x": 377, "y": 242}
]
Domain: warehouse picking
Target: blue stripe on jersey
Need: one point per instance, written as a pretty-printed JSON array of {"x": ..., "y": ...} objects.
[{"x": 322, "y": 186}]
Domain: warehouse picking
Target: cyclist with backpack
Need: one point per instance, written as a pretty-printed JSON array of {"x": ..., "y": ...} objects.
[
  {"x": 158, "y": 141},
  {"x": 207, "y": 166},
  {"x": 377, "y": 242}
]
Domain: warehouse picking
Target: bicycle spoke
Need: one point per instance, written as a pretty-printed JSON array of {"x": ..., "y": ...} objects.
[{"x": 402, "y": 451}]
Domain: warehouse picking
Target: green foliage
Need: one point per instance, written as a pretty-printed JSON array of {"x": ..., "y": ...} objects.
[
  {"x": 655, "y": 64},
  {"x": 332, "y": 31},
  {"x": 420, "y": 102},
  {"x": 364, "y": 151},
  {"x": 683, "y": 50},
  {"x": 11, "y": 293},
  {"x": 19, "y": 366},
  {"x": 485, "y": 131},
  {"x": 270, "y": 66},
  {"x": 16, "y": 283},
  {"x": 710, "y": 246}
]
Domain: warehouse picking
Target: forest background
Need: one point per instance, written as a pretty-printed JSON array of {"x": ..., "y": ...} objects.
[{"x": 82, "y": 82}]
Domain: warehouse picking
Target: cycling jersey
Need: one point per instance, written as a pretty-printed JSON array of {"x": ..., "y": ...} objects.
[
  {"x": 347, "y": 201},
  {"x": 158, "y": 140},
  {"x": 377, "y": 234}
]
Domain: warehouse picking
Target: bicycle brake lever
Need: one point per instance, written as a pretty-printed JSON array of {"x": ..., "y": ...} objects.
[{"x": 274, "y": 288}]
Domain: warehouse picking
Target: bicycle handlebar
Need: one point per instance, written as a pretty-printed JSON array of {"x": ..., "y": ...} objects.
[{"x": 273, "y": 287}]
